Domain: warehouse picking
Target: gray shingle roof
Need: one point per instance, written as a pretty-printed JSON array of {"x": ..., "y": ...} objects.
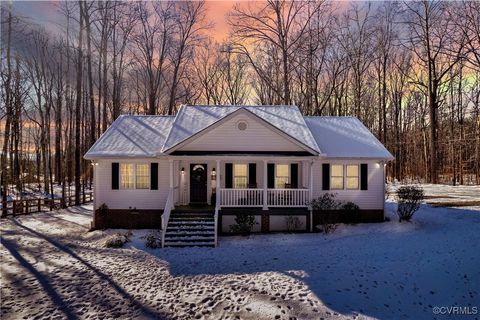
[
  {"x": 192, "y": 119},
  {"x": 346, "y": 137},
  {"x": 151, "y": 136},
  {"x": 132, "y": 136}
]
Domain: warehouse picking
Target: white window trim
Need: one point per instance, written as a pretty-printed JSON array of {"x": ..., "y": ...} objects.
[
  {"x": 332, "y": 176},
  {"x": 233, "y": 174},
  {"x": 134, "y": 176},
  {"x": 357, "y": 176},
  {"x": 149, "y": 176},
  {"x": 288, "y": 174}
]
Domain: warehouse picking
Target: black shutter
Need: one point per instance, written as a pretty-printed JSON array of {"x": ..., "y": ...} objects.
[
  {"x": 271, "y": 175},
  {"x": 294, "y": 175},
  {"x": 115, "y": 175},
  {"x": 325, "y": 176},
  {"x": 154, "y": 176},
  {"x": 228, "y": 175},
  {"x": 364, "y": 176},
  {"x": 252, "y": 173}
]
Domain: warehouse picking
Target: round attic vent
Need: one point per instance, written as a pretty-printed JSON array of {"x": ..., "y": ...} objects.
[{"x": 242, "y": 125}]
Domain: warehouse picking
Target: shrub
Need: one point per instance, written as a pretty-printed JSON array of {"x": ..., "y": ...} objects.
[
  {"x": 293, "y": 223},
  {"x": 103, "y": 209},
  {"x": 117, "y": 240},
  {"x": 351, "y": 212},
  {"x": 153, "y": 240},
  {"x": 325, "y": 202},
  {"x": 409, "y": 200},
  {"x": 243, "y": 224},
  {"x": 323, "y": 206}
]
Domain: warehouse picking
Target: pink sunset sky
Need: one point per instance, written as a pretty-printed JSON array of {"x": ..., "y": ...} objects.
[{"x": 47, "y": 14}]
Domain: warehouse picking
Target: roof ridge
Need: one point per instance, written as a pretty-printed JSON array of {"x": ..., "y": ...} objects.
[
  {"x": 148, "y": 115},
  {"x": 311, "y": 116},
  {"x": 239, "y": 105}
]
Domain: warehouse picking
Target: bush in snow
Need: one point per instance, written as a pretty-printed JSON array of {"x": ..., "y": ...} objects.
[
  {"x": 293, "y": 223},
  {"x": 243, "y": 224},
  {"x": 117, "y": 240},
  {"x": 409, "y": 200},
  {"x": 324, "y": 207},
  {"x": 351, "y": 212},
  {"x": 325, "y": 202},
  {"x": 103, "y": 209},
  {"x": 153, "y": 240}
]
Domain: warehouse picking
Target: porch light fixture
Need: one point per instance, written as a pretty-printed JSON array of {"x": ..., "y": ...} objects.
[
  {"x": 182, "y": 171},
  {"x": 214, "y": 174}
]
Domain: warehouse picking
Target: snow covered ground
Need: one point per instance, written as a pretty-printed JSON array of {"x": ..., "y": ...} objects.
[
  {"x": 467, "y": 197},
  {"x": 52, "y": 267}
]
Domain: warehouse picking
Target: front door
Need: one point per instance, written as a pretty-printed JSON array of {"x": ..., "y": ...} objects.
[{"x": 198, "y": 183}]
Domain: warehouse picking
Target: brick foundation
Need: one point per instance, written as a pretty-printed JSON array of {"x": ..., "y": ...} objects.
[
  {"x": 336, "y": 216},
  {"x": 127, "y": 219}
]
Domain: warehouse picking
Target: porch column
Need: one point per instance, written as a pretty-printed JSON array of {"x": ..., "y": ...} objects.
[
  {"x": 217, "y": 195},
  {"x": 265, "y": 185},
  {"x": 171, "y": 180},
  {"x": 171, "y": 173},
  {"x": 310, "y": 186},
  {"x": 310, "y": 194}
]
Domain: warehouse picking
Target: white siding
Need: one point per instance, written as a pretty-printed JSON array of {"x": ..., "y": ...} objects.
[
  {"x": 373, "y": 198},
  {"x": 123, "y": 199},
  {"x": 227, "y": 137}
]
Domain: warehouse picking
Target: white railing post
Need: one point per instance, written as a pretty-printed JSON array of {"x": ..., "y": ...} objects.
[
  {"x": 265, "y": 185},
  {"x": 310, "y": 195},
  {"x": 217, "y": 187},
  {"x": 166, "y": 215}
]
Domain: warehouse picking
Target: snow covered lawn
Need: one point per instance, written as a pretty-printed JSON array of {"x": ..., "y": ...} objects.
[{"x": 52, "y": 267}]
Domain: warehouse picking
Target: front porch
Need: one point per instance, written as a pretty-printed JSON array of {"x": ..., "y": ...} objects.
[
  {"x": 233, "y": 184},
  {"x": 242, "y": 182}
]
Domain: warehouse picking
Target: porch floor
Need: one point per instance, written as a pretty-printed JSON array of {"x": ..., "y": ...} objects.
[{"x": 194, "y": 208}]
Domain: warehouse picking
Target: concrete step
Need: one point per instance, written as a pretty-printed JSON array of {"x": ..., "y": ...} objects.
[
  {"x": 183, "y": 244},
  {"x": 190, "y": 223},
  {"x": 189, "y": 233},
  {"x": 189, "y": 238},
  {"x": 174, "y": 219},
  {"x": 185, "y": 229}
]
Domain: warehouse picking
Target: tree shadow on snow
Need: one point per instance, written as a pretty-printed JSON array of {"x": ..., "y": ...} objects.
[
  {"x": 403, "y": 272},
  {"x": 145, "y": 310}
]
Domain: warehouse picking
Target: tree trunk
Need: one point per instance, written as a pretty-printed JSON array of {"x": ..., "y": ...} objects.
[
  {"x": 78, "y": 106},
  {"x": 8, "y": 105}
]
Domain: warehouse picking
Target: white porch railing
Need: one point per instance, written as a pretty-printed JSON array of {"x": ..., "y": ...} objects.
[
  {"x": 166, "y": 214},
  {"x": 241, "y": 197},
  {"x": 216, "y": 225},
  {"x": 254, "y": 197},
  {"x": 287, "y": 197}
]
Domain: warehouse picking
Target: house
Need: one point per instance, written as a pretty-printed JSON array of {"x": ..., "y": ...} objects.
[{"x": 192, "y": 173}]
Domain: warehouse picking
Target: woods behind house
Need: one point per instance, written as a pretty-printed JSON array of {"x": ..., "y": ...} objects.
[{"x": 409, "y": 70}]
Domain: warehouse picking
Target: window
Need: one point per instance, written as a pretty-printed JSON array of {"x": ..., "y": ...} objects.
[
  {"x": 281, "y": 175},
  {"x": 134, "y": 176},
  {"x": 240, "y": 176},
  {"x": 142, "y": 176},
  {"x": 352, "y": 176},
  {"x": 127, "y": 176},
  {"x": 336, "y": 177}
]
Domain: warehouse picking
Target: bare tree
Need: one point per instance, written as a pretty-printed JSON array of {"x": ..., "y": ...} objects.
[
  {"x": 189, "y": 24},
  {"x": 78, "y": 105},
  {"x": 432, "y": 40},
  {"x": 282, "y": 24}
]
